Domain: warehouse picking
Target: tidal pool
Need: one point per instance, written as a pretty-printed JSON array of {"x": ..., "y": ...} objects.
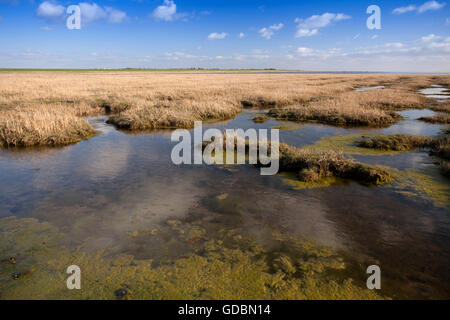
[
  {"x": 436, "y": 92},
  {"x": 112, "y": 192}
]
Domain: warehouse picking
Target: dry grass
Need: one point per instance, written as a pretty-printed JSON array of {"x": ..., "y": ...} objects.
[
  {"x": 439, "y": 146},
  {"x": 369, "y": 108},
  {"x": 440, "y": 118},
  {"x": 34, "y": 127},
  {"x": 149, "y": 100},
  {"x": 441, "y": 107},
  {"x": 396, "y": 142}
]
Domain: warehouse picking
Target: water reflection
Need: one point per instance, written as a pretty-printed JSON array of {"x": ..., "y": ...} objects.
[{"x": 106, "y": 191}]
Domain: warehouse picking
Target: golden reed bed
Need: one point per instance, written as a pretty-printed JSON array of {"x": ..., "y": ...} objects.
[{"x": 47, "y": 108}]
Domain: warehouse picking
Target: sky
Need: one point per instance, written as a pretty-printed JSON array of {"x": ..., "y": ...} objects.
[{"x": 414, "y": 36}]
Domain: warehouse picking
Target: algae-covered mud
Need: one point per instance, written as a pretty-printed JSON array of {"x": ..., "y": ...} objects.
[{"x": 140, "y": 227}]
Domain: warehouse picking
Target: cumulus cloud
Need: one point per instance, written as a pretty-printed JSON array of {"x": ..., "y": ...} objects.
[
  {"x": 427, "y": 6},
  {"x": 241, "y": 35},
  {"x": 167, "y": 11},
  {"x": 115, "y": 16},
  {"x": 217, "y": 36},
  {"x": 270, "y": 31},
  {"x": 52, "y": 11},
  {"x": 310, "y": 26},
  {"x": 91, "y": 12}
]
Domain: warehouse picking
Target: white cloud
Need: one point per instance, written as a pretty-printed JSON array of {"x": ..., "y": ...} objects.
[
  {"x": 356, "y": 36},
  {"x": 310, "y": 26},
  {"x": 375, "y": 36},
  {"x": 431, "y": 5},
  {"x": 406, "y": 9},
  {"x": 447, "y": 22},
  {"x": 430, "y": 37},
  {"x": 91, "y": 12},
  {"x": 50, "y": 11},
  {"x": 167, "y": 11},
  {"x": 259, "y": 51},
  {"x": 115, "y": 16},
  {"x": 217, "y": 36},
  {"x": 241, "y": 35},
  {"x": 304, "y": 52},
  {"x": 427, "y": 6},
  {"x": 46, "y": 28},
  {"x": 306, "y": 33},
  {"x": 270, "y": 31}
]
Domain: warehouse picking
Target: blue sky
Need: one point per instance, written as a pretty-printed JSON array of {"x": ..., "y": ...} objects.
[{"x": 284, "y": 34}]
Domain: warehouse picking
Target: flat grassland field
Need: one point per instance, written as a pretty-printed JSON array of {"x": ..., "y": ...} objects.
[{"x": 47, "y": 108}]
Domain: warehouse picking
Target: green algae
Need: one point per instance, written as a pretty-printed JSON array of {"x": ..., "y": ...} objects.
[
  {"x": 290, "y": 126},
  {"x": 425, "y": 184},
  {"x": 291, "y": 179},
  {"x": 349, "y": 145},
  {"x": 228, "y": 267}
]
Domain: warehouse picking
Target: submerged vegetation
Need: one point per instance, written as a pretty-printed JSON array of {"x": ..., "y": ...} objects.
[
  {"x": 439, "y": 146},
  {"x": 148, "y": 100},
  {"x": 228, "y": 267},
  {"x": 425, "y": 184}
]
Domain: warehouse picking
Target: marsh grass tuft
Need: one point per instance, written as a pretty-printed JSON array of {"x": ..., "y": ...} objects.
[
  {"x": 312, "y": 165},
  {"x": 33, "y": 128},
  {"x": 395, "y": 142},
  {"x": 438, "y": 146},
  {"x": 441, "y": 107},
  {"x": 440, "y": 118}
]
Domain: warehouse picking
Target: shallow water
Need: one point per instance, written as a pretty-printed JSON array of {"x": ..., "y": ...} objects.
[
  {"x": 100, "y": 191},
  {"x": 436, "y": 92}
]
